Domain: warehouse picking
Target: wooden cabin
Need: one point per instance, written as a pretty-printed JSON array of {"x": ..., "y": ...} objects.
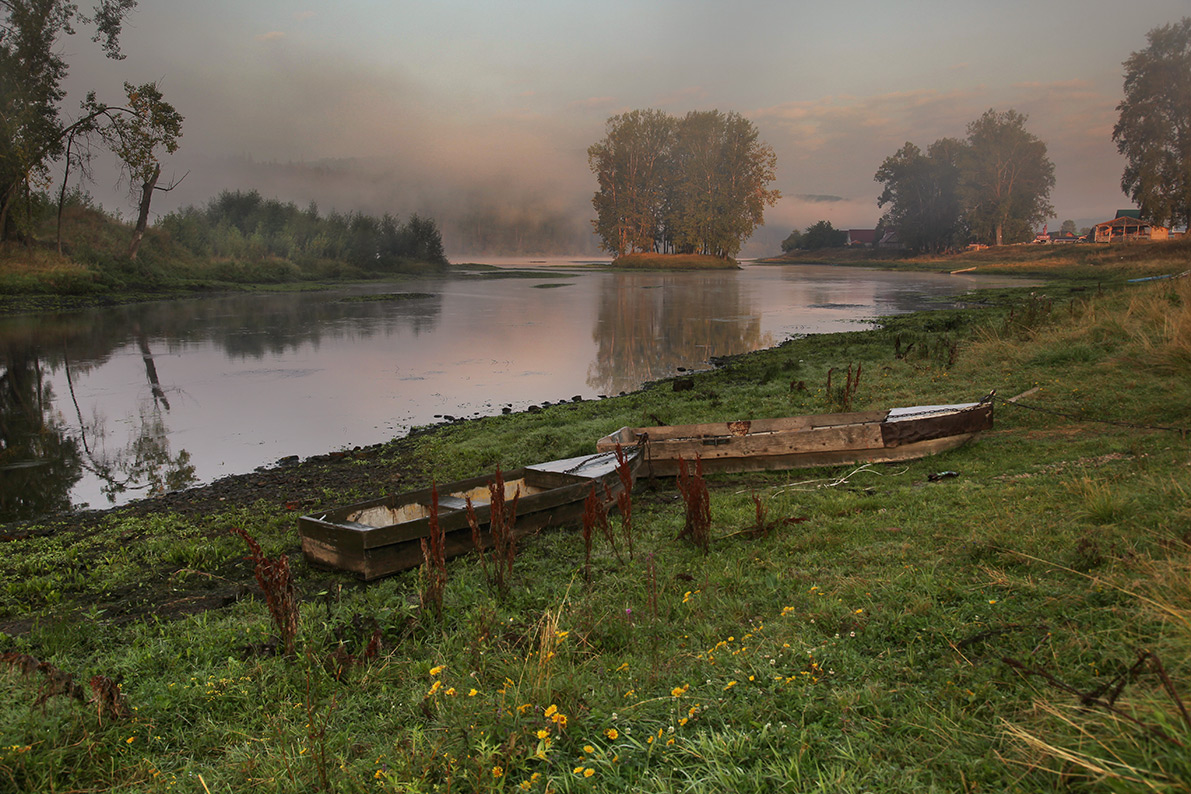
[{"x": 1127, "y": 227}]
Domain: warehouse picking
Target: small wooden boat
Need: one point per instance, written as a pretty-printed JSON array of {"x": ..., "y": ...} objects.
[
  {"x": 807, "y": 441},
  {"x": 383, "y": 536}
]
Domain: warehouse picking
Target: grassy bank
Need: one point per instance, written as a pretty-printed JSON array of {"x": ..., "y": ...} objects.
[
  {"x": 1023, "y": 625},
  {"x": 1082, "y": 262},
  {"x": 91, "y": 267}
]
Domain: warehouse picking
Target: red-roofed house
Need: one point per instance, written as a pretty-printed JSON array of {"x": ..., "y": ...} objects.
[{"x": 865, "y": 237}]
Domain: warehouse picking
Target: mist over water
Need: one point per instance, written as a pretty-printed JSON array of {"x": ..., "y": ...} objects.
[{"x": 104, "y": 406}]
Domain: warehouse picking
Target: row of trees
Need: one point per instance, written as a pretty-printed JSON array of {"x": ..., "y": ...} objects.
[
  {"x": 993, "y": 187},
  {"x": 243, "y": 225},
  {"x": 818, "y": 235},
  {"x": 35, "y": 133},
  {"x": 697, "y": 184}
]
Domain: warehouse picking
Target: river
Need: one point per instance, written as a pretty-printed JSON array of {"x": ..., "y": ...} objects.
[{"x": 103, "y": 406}]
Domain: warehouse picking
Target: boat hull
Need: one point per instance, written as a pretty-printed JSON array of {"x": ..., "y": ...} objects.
[
  {"x": 383, "y": 536},
  {"x": 808, "y": 441}
]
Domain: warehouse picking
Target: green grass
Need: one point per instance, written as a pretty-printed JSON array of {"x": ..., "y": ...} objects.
[{"x": 863, "y": 649}]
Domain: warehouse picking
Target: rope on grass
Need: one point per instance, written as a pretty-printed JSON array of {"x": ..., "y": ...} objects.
[
  {"x": 866, "y": 468},
  {"x": 1012, "y": 401}
]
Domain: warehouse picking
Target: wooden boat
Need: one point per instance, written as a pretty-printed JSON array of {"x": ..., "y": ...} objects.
[
  {"x": 807, "y": 441},
  {"x": 382, "y": 536}
]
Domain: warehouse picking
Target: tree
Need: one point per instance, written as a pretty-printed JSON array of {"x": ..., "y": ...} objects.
[
  {"x": 695, "y": 185},
  {"x": 32, "y": 133},
  {"x": 628, "y": 165},
  {"x": 1005, "y": 178},
  {"x": 1068, "y": 227},
  {"x": 922, "y": 193},
  {"x": 793, "y": 242},
  {"x": 823, "y": 235},
  {"x": 720, "y": 174},
  {"x": 1153, "y": 131},
  {"x": 151, "y": 125}
]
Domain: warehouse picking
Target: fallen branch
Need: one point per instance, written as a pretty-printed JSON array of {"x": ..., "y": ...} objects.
[{"x": 1089, "y": 699}]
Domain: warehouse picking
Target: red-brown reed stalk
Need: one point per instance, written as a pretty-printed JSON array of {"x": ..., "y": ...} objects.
[
  {"x": 502, "y": 525},
  {"x": 697, "y": 527},
  {"x": 842, "y": 397},
  {"x": 624, "y": 499},
  {"x": 594, "y": 516},
  {"x": 502, "y": 534},
  {"x": 434, "y": 564},
  {"x": 276, "y": 582},
  {"x": 105, "y": 692},
  {"x": 762, "y": 528}
]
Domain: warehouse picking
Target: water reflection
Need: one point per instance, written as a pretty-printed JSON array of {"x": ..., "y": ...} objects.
[
  {"x": 121, "y": 441},
  {"x": 100, "y": 406},
  {"x": 648, "y": 325},
  {"x": 39, "y": 460}
]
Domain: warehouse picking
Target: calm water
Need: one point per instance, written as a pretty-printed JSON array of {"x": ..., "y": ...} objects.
[{"x": 101, "y": 407}]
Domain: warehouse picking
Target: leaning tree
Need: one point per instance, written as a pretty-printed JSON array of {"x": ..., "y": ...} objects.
[{"x": 32, "y": 68}]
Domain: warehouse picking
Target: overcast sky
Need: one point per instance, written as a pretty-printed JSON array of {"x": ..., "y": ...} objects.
[{"x": 406, "y": 106}]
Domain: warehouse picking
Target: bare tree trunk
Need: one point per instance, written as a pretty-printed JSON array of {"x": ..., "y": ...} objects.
[
  {"x": 62, "y": 196},
  {"x": 142, "y": 219},
  {"x": 151, "y": 369}
]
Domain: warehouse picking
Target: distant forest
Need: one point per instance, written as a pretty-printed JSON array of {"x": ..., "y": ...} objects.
[{"x": 245, "y": 226}]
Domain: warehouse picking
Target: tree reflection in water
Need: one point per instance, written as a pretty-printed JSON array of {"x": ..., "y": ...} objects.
[
  {"x": 145, "y": 463},
  {"x": 39, "y": 461},
  {"x": 42, "y": 458},
  {"x": 649, "y": 323}
]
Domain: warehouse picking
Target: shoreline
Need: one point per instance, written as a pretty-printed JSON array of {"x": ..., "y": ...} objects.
[{"x": 328, "y": 469}]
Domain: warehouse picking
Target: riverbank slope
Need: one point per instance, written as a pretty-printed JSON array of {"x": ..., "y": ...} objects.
[{"x": 1014, "y": 615}]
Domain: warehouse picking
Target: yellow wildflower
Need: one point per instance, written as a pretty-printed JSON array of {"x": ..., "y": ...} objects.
[
  {"x": 497, "y": 771},
  {"x": 588, "y": 772},
  {"x": 578, "y": 770},
  {"x": 730, "y": 685},
  {"x": 435, "y": 687},
  {"x": 451, "y": 691},
  {"x": 437, "y": 670},
  {"x": 472, "y": 693},
  {"x": 551, "y": 709},
  {"x": 612, "y": 734},
  {"x": 543, "y": 733},
  {"x": 587, "y": 748}
]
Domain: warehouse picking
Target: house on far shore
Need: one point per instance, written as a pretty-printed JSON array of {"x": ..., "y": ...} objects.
[
  {"x": 1128, "y": 226},
  {"x": 1056, "y": 237},
  {"x": 864, "y": 237}
]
